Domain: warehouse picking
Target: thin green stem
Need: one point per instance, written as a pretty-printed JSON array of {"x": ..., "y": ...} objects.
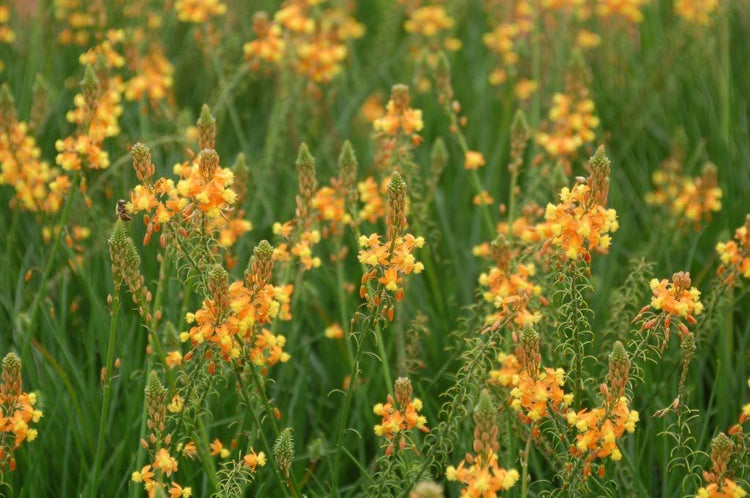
[
  {"x": 525, "y": 467},
  {"x": 34, "y": 312},
  {"x": 109, "y": 370}
]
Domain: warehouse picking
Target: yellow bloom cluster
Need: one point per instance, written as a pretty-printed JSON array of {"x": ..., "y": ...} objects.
[
  {"x": 7, "y": 35},
  {"x": 153, "y": 77},
  {"x": 399, "y": 117},
  {"x": 600, "y": 428},
  {"x": 571, "y": 124},
  {"x": 535, "y": 391},
  {"x": 509, "y": 292},
  {"x": 80, "y": 20},
  {"x": 399, "y": 415},
  {"x": 735, "y": 254},
  {"x": 372, "y": 196},
  {"x": 390, "y": 260},
  {"x": 577, "y": 224},
  {"x": 38, "y": 188},
  {"x": 505, "y": 37},
  {"x": 204, "y": 188},
  {"x": 17, "y": 412},
  {"x": 696, "y": 11},
  {"x": 692, "y": 198},
  {"x": 311, "y": 39},
  {"x": 232, "y": 318},
  {"x": 199, "y": 11},
  {"x": 430, "y": 23},
  {"x": 163, "y": 466},
  {"x": 482, "y": 476},
  {"x": 628, "y": 9},
  {"x": 672, "y": 302}
]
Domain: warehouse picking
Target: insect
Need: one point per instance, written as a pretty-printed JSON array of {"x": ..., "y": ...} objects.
[{"x": 122, "y": 211}]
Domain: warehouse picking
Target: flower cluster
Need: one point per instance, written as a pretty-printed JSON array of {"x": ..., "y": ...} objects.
[
  {"x": 7, "y": 35},
  {"x": 38, "y": 187},
  {"x": 199, "y": 11},
  {"x": 311, "y": 39},
  {"x": 505, "y": 37},
  {"x": 672, "y": 302},
  {"x": 692, "y": 198},
  {"x": 600, "y": 428},
  {"x": 163, "y": 463},
  {"x": 509, "y": 291},
  {"x": 399, "y": 117},
  {"x": 429, "y": 24},
  {"x": 399, "y": 415},
  {"x": 627, "y": 9},
  {"x": 97, "y": 109},
  {"x": 17, "y": 412},
  {"x": 696, "y": 11},
  {"x": 571, "y": 124},
  {"x": 80, "y": 20},
  {"x": 233, "y": 316},
  {"x": 392, "y": 259},
  {"x": 536, "y": 389},
  {"x": 720, "y": 482},
  {"x": 153, "y": 79},
  {"x": 735, "y": 254},
  {"x": 373, "y": 197},
  {"x": 480, "y": 474},
  {"x": 581, "y": 223},
  {"x": 202, "y": 199}
]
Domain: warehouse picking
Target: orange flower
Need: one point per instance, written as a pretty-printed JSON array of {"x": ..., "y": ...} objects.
[
  {"x": 164, "y": 462},
  {"x": 474, "y": 160},
  {"x": 481, "y": 476},
  {"x": 217, "y": 448},
  {"x": 253, "y": 460}
]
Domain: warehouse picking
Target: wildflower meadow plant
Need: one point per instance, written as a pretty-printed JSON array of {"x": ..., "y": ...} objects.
[{"x": 414, "y": 248}]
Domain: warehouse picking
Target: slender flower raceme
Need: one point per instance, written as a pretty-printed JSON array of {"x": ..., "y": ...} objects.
[
  {"x": 535, "y": 390},
  {"x": 735, "y": 255},
  {"x": 390, "y": 259},
  {"x": 580, "y": 222},
  {"x": 674, "y": 303},
  {"x": 17, "y": 413},
  {"x": 600, "y": 428},
  {"x": 719, "y": 480},
  {"x": 480, "y": 473},
  {"x": 399, "y": 415}
]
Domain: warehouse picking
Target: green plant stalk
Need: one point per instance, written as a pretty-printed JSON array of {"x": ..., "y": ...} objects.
[
  {"x": 155, "y": 340},
  {"x": 258, "y": 382},
  {"x": 384, "y": 358},
  {"x": 109, "y": 365},
  {"x": 525, "y": 467},
  {"x": 35, "y": 305},
  {"x": 256, "y": 420},
  {"x": 208, "y": 462},
  {"x": 512, "y": 200},
  {"x": 456, "y": 127},
  {"x": 348, "y": 402}
]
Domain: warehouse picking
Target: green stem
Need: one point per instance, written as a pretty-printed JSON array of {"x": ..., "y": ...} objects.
[
  {"x": 347, "y": 406},
  {"x": 34, "y": 313},
  {"x": 256, "y": 420},
  {"x": 525, "y": 467},
  {"x": 109, "y": 365}
]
